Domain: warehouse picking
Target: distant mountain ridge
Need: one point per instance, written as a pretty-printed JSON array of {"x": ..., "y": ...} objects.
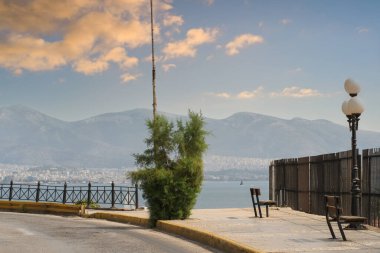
[{"x": 108, "y": 140}]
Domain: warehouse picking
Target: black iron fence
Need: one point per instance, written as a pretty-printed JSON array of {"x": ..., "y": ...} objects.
[
  {"x": 301, "y": 183},
  {"x": 71, "y": 194}
]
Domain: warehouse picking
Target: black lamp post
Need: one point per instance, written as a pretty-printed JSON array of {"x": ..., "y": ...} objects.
[{"x": 352, "y": 109}]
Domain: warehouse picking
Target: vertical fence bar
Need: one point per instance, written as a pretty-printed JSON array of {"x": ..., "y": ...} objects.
[
  {"x": 271, "y": 181},
  {"x": 304, "y": 184},
  {"x": 89, "y": 195},
  {"x": 64, "y": 193},
  {"x": 38, "y": 192},
  {"x": 112, "y": 195},
  {"x": 136, "y": 196},
  {"x": 10, "y": 190}
]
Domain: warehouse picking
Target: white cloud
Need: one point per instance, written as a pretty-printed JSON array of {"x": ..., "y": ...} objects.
[
  {"x": 250, "y": 94},
  {"x": 167, "y": 67},
  {"x": 285, "y": 21},
  {"x": 188, "y": 46},
  {"x": 222, "y": 95},
  {"x": 362, "y": 29},
  {"x": 127, "y": 77},
  {"x": 89, "y": 67},
  {"x": 242, "y": 41},
  {"x": 85, "y": 34},
  {"x": 241, "y": 95},
  {"x": 296, "y": 92},
  {"x": 164, "y": 5},
  {"x": 117, "y": 55},
  {"x": 173, "y": 20},
  {"x": 261, "y": 24}
]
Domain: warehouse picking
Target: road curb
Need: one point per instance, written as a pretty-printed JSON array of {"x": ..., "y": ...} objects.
[
  {"x": 205, "y": 237},
  {"x": 39, "y": 207},
  {"x": 139, "y": 221}
]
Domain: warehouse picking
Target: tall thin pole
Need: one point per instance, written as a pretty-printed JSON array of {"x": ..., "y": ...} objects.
[
  {"x": 155, "y": 151},
  {"x": 153, "y": 64}
]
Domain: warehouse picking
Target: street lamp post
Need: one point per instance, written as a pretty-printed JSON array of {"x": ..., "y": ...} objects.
[{"x": 352, "y": 108}]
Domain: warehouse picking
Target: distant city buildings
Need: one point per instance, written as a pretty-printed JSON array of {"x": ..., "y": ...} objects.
[
  {"x": 217, "y": 168},
  {"x": 61, "y": 175}
]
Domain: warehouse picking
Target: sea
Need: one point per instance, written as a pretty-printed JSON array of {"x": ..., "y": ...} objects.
[{"x": 229, "y": 194}]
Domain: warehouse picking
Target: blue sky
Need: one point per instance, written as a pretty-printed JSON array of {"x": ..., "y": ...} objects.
[{"x": 75, "y": 59}]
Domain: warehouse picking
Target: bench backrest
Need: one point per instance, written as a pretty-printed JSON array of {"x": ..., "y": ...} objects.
[
  {"x": 255, "y": 191},
  {"x": 332, "y": 206}
]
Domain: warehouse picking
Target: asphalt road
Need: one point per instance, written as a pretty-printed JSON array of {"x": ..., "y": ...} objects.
[{"x": 20, "y": 232}]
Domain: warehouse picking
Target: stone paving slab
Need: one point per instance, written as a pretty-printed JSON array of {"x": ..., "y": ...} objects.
[{"x": 285, "y": 230}]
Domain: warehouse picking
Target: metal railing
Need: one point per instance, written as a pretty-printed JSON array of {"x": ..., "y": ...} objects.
[{"x": 72, "y": 194}]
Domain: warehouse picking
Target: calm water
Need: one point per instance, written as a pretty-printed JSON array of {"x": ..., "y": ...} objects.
[{"x": 216, "y": 194}]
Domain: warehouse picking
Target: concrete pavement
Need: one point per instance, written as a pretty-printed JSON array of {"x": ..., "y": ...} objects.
[{"x": 237, "y": 230}]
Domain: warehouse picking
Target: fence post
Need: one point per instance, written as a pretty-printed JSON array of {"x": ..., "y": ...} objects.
[
  {"x": 64, "y": 193},
  {"x": 10, "y": 190},
  {"x": 136, "y": 196},
  {"x": 89, "y": 195},
  {"x": 113, "y": 195},
  {"x": 38, "y": 192}
]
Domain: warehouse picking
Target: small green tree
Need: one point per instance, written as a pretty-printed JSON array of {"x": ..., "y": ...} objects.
[{"x": 171, "y": 168}]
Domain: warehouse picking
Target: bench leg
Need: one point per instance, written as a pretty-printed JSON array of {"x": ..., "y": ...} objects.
[
  {"x": 341, "y": 231},
  {"x": 331, "y": 230},
  {"x": 254, "y": 206},
  {"x": 258, "y": 205}
]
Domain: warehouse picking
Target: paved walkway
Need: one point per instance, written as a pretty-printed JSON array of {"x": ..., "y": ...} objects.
[{"x": 284, "y": 231}]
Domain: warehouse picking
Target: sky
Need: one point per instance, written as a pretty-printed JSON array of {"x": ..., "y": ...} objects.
[{"x": 73, "y": 59}]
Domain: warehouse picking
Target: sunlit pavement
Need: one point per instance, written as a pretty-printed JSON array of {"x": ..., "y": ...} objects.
[{"x": 284, "y": 231}]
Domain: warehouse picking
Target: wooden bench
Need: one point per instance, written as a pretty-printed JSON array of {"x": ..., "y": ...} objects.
[
  {"x": 334, "y": 212},
  {"x": 255, "y": 193}
]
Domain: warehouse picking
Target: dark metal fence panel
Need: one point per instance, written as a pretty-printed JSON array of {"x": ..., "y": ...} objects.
[
  {"x": 366, "y": 184},
  {"x": 291, "y": 183},
  {"x": 19, "y": 191},
  {"x": 272, "y": 182},
  {"x": 345, "y": 182},
  {"x": 51, "y": 193},
  {"x": 316, "y": 184},
  {"x": 331, "y": 174},
  {"x": 371, "y": 186},
  {"x": 76, "y": 193},
  {"x": 304, "y": 184},
  {"x": 279, "y": 180}
]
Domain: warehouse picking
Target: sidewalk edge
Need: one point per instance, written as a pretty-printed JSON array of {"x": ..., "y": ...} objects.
[{"x": 206, "y": 237}]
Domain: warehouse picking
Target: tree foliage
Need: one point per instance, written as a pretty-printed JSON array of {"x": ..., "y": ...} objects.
[{"x": 171, "y": 168}]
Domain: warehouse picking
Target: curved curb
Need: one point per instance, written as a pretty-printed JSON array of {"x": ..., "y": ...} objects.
[
  {"x": 206, "y": 237},
  {"x": 39, "y": 207},
  {"x": 144, "y": 222}
]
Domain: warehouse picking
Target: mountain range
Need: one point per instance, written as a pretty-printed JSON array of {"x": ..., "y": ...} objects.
[{"x": 109, "y": 140}]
